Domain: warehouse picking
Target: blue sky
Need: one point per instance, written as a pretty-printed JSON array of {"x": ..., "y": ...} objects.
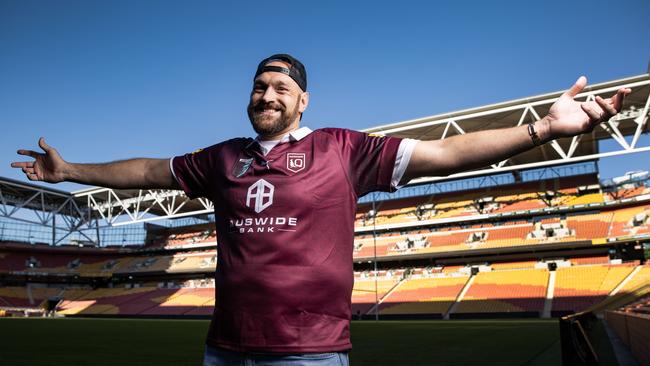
[{"x": 108, "y": 80}]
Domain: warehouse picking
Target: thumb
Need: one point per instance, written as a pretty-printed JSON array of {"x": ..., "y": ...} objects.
[
  {"x": 577, "y": 87},
  {"x": 43, "y": 145}
]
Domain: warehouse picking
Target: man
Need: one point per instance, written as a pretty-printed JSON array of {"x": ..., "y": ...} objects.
[{"x": 285, "y": 204}]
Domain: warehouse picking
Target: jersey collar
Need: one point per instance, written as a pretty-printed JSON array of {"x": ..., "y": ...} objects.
[
  {"x": 299, "y": 134},
  {"x": 292, "y": 136}
]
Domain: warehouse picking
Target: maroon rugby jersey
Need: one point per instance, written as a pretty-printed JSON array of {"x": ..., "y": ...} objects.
[{"x": 285, "y": 228}]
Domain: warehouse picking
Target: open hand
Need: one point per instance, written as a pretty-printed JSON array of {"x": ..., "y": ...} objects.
[
  {"x": 48, "y": 166},
  {"x": 568, "y": 117}
]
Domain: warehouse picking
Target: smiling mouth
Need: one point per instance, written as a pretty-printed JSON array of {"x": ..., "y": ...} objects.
[{"x": 267, "y": 111}]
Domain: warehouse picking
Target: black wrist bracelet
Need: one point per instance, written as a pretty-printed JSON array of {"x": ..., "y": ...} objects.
[{"x": 533, "y": 134}]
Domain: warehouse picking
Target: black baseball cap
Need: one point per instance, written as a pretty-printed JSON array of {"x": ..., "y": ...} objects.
[{"x": 296, "y": 69}]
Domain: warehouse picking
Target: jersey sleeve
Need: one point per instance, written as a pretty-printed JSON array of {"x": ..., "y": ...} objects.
[
  {"x": 369, "y": 160},
  {"x": 191, "y": 171}
]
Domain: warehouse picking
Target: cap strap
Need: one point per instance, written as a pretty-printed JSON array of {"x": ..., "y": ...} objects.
[
  {"x": 281, "y": 69},
  {"x": 289, "y": 72}
]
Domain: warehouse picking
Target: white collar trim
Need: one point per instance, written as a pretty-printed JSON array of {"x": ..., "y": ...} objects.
[
  {"x": 300, "y": 133},
  {"x": 295, "y": 135}
]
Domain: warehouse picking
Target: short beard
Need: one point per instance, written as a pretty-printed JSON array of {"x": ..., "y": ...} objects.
[{"x": 269, "y": 129}]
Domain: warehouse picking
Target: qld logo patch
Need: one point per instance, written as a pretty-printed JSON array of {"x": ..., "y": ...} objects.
[{"x": 296, "y": 162}]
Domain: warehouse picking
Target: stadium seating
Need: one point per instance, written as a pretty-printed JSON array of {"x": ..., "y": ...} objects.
[
  {"x": 640, "y": 278},
  {"x": 167, "y": 277},
  {"x": 366, "y": 291},
  {"x": 626, "y": 192},
  {"x": 423, "y": 296},
  {"x": 24, "y": 297},
  {"x": 183, "y": 301},
  {"x": 590, "y": 260},
  {"x": 193, "y": 262},
  {"x": 513, "y": 265},
  {"x": 35, "y": 262},
  {"x": 589, "y": 227},
  {"x": 575, "y": 227},
  {"x": 138, "y": 301},
  {"x": 579, "y": 287},
  {"x": 520, "y": 291},
  {"x": 630, "y": 221}
]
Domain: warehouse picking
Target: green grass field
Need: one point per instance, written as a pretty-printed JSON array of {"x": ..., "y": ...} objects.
[{"x": 99, "y": 342}]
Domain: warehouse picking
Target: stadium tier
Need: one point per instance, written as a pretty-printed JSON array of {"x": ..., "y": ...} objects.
[
  {"x": 535, "y": 250},
  {"x": 538, "y": 230},
  {"x": 517, "y": 288},
  {"x": 84, "y": 263},
  {"x": 507, "y": 199}
]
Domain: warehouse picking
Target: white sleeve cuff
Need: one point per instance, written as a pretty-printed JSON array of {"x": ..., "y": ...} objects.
[
  {"x": 402, "y": 160},
  {"x": 171, "y": 168}
]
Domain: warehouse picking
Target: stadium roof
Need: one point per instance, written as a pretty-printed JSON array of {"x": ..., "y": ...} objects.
[
  {"x": 625, "y": 128},
  {"x": 15, "y": 195},
  {"x": 141, "y": 204}
]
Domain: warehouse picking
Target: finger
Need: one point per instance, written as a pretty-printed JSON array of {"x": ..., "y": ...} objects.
[
  {"x": 577, "y": 87},
  {"x": 617, "y": 100},
  {"x": 32, "y": 176},
  {"x": 29, "y": 171},
  {"x": 594, "y": 115},
  {"x": 43, "y": 145},
  {"x": 23, "y": 164},
  {"x": 606, "y": 106},
  {"x": 31, "y": 153}
]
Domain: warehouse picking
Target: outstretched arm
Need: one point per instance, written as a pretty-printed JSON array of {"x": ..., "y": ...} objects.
[
  {"x": 566, "y": 117},
  {"x": 133, "y": 173}
]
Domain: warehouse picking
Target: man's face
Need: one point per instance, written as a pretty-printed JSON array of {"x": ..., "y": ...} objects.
[{"x": 276, "y": 103}]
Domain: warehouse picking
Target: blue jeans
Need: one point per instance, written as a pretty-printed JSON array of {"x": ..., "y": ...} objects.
[{"x": 222, "y": 357}]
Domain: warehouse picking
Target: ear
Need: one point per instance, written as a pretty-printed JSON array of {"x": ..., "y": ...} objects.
[{"x": 304, "y": 101}]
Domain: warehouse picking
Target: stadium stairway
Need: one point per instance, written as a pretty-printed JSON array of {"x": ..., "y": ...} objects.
[
  {"x": 30, "y": 297},
  {"x": 423, "y": 296},
  {"x": 4, "y": 302},
  {"x": 460, "y": 297},
  {"x": 374, "y": 307},
  {"x": 550, "y": 291},
  {"x": 626, "y": 280}
]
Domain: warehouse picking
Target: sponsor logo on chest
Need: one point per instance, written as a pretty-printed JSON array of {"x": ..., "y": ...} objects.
[{"x": 259, "y": 197}]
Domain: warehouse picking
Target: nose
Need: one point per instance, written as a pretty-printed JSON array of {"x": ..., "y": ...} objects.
[{"x": 269, "y": 95}]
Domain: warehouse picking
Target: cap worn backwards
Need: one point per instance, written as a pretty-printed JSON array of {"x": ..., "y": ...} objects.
[{"x": 296, "y": 69}]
